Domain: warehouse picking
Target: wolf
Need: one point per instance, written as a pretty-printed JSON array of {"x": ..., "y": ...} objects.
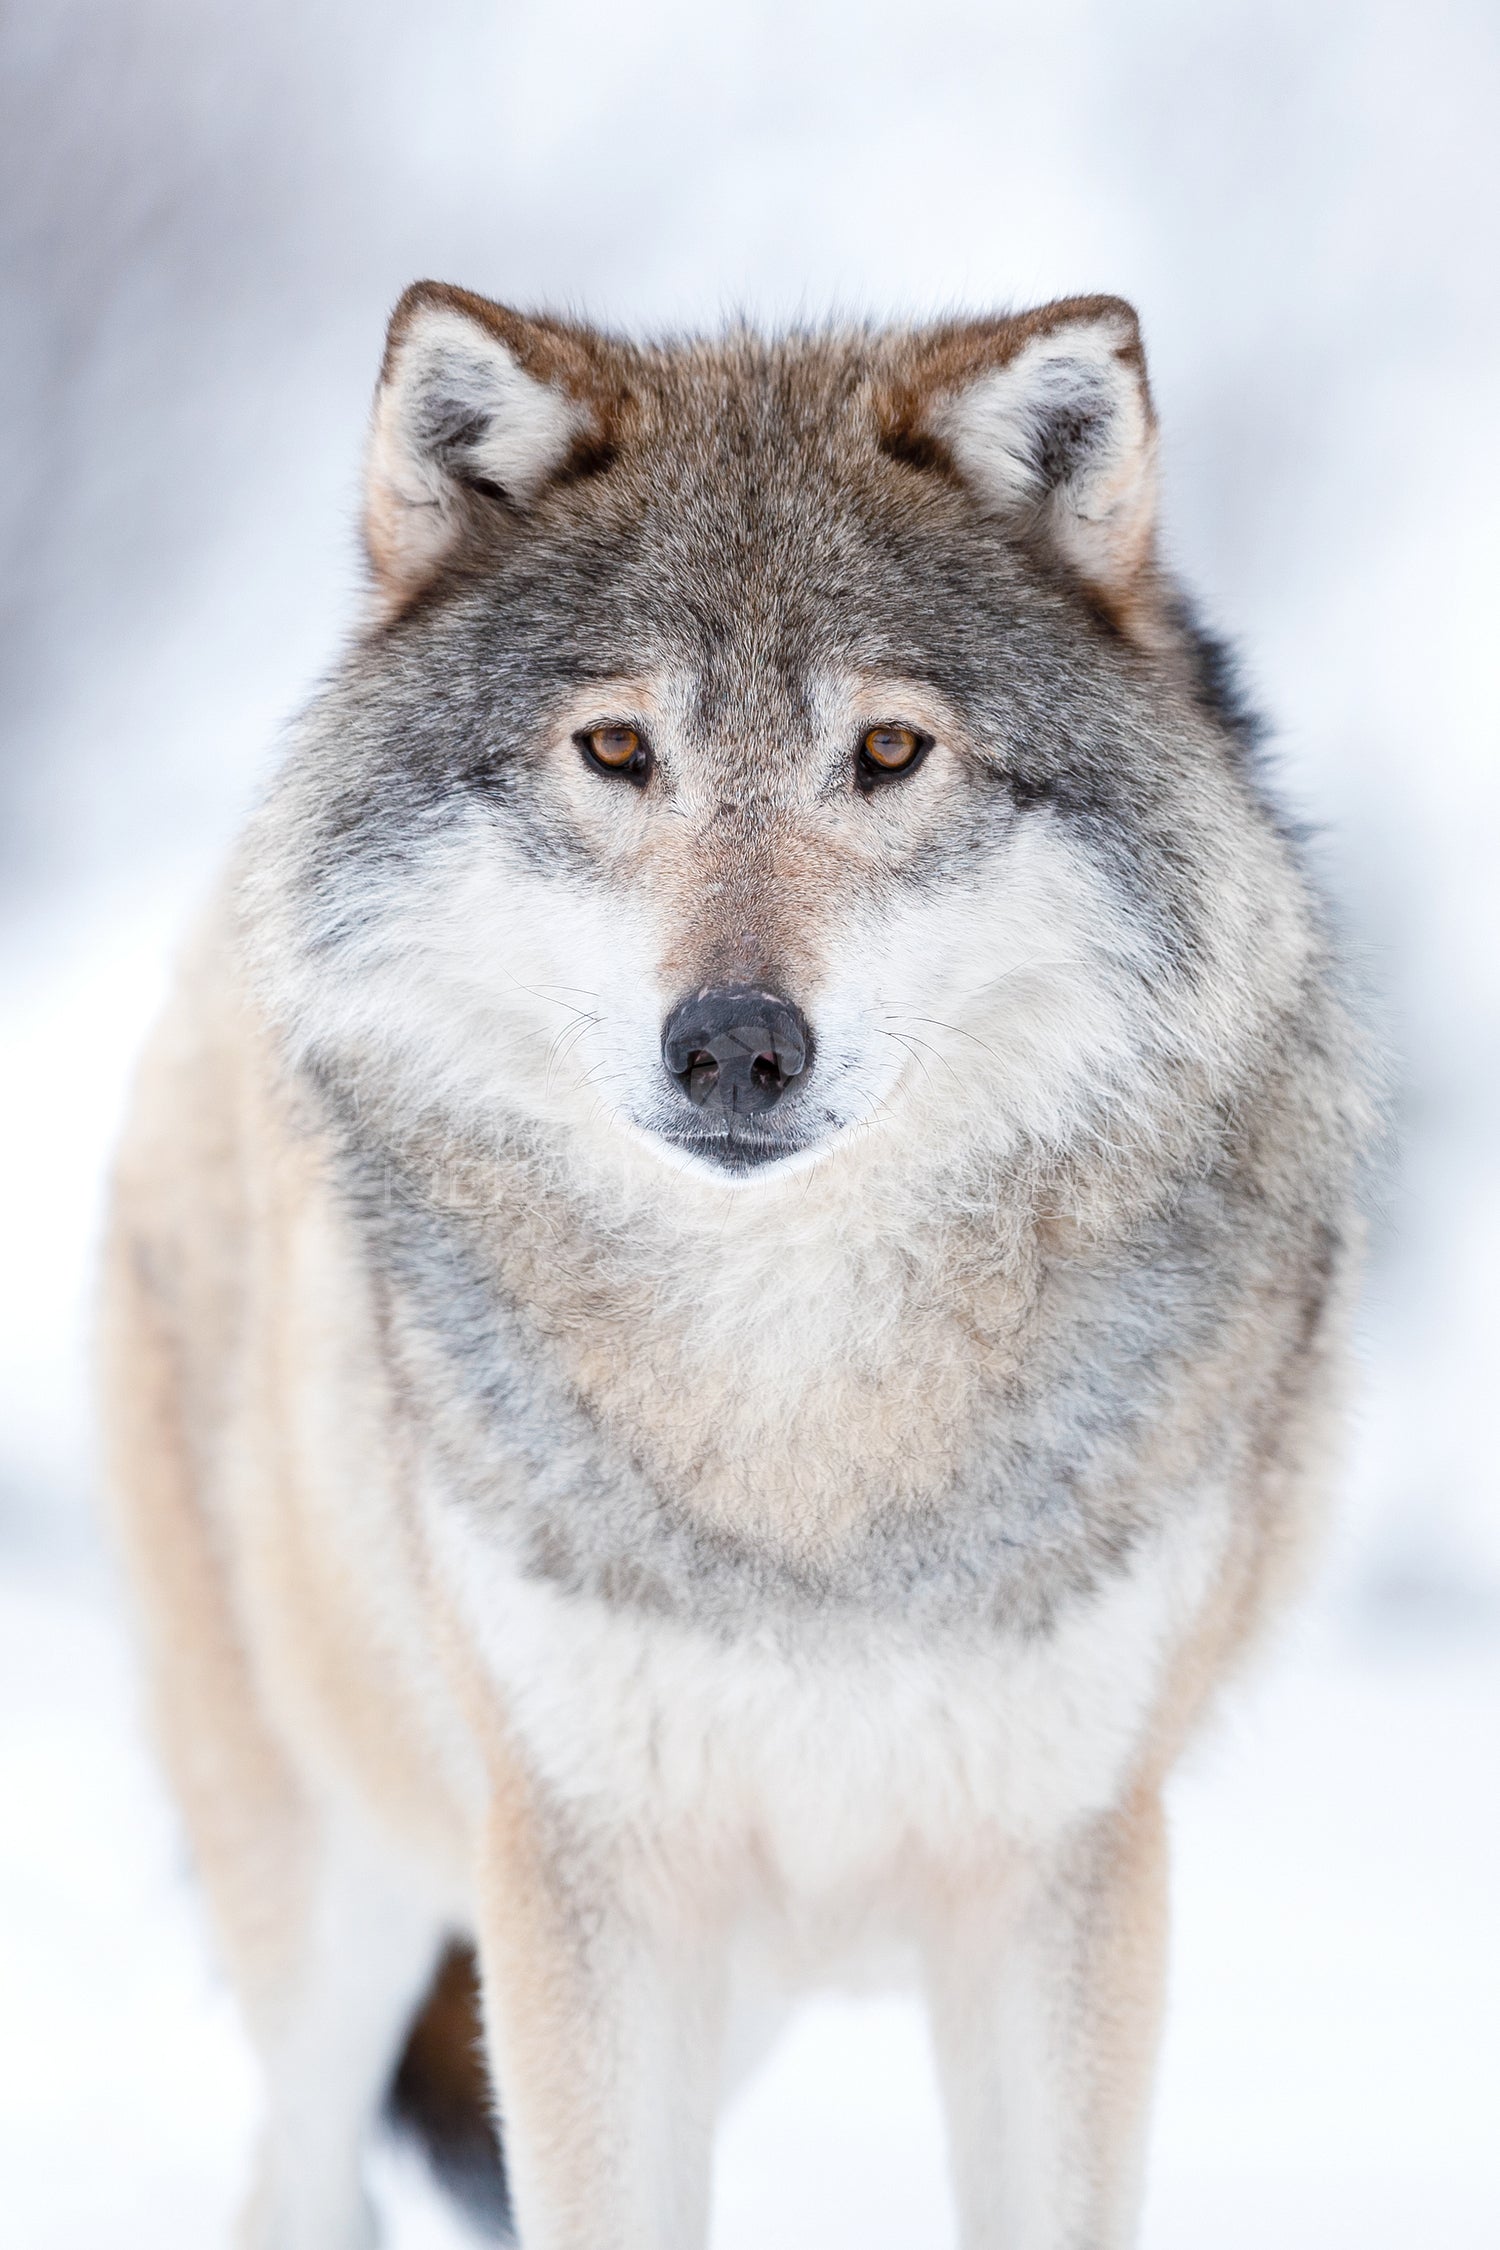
[{"x": 726, "y": 1290}]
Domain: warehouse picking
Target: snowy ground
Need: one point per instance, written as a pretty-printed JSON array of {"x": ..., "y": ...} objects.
[{"x": 1331, "y": 2077}]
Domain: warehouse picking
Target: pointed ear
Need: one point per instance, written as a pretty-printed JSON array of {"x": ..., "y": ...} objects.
[
  {"x": 475, "y": 405},
  {"x": 1047, "y": 418}
]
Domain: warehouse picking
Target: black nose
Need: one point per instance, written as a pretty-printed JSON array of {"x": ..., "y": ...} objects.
[{"x": 735, "y": 1049}]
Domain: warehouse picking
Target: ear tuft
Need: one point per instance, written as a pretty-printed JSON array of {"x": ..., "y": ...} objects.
[
  {"x": 474, "y": 404},
  {"x": 1047, "y": 419}
]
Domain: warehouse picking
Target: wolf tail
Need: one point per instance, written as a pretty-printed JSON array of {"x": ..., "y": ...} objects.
[{"x": 441, "y": 2096}]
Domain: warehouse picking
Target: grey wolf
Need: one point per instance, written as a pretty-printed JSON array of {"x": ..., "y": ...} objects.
[{"x": 725, "y": 1296}]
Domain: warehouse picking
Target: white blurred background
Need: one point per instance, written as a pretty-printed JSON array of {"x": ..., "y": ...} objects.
[{"x": 208, "y": 208}]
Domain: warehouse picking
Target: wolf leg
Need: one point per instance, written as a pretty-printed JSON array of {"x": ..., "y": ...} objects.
[
  {"x": 1046, "y": 2003},
  {"x": 330, "y": 2038},
  {"x": 604, "y": 2011},
  {"x": 326, "y": 1950}
]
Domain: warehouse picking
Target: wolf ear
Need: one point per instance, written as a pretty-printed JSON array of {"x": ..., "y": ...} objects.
[
  {"x": 1047, "y": 419},
  {"x": 475, "y": 405}
]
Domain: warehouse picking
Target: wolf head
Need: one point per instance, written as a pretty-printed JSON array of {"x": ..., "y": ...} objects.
[{"x": 762, "y": 748}]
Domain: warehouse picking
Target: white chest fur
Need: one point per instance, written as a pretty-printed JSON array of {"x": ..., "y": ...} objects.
[{"x": 826, "y": 1753}]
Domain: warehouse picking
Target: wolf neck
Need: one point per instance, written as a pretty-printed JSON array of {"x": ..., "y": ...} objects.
[
  {"x": 780, "y": 1361},
  {"x": 847, "y": 1246}
]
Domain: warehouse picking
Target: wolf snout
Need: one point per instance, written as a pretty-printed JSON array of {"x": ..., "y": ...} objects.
[{"x": 735, "y": 1048}]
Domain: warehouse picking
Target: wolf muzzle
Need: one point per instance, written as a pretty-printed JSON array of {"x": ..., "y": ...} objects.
[{"x": 735, "y": 1048}]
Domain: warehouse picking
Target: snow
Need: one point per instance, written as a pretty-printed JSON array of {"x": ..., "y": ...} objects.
[{"x": 207, "y": 214}]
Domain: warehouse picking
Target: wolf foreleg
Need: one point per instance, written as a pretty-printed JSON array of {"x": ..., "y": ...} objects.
[
  {"x": 605, "y": 2018},
  {"x": 1046, "y": 2002}
]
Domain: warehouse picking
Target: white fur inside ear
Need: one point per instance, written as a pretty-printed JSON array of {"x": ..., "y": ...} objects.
[
  {"x": 456, "y": 406},
  {"x": 1062, "y": 438}
]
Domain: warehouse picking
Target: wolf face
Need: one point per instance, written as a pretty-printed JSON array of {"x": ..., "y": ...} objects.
[{"x": 760, "y": 745}]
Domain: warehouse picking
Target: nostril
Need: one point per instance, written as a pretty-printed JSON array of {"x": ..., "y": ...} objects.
[{"x": 767, "y": 1073}]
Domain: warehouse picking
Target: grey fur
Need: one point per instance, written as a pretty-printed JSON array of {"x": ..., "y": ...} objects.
[
  {"x": 1043, "y": 1499},
  {"x": 754, "y": 537}
]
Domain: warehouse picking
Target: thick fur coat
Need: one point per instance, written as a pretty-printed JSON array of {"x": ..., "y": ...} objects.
[{"x": 681, "y": 1542}]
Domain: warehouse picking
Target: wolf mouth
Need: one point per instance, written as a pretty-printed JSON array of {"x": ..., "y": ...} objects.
[{"x": 736, "y": 1153}]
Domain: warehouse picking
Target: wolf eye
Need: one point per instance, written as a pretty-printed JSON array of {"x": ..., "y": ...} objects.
[
  {"x": 622, "y": 751},
  {"x": 885, "y": 752}
]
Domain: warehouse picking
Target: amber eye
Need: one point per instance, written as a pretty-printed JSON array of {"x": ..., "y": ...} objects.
[
  {"x": 887, "y": 751},
  {"x": 616, "y": 750}
]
